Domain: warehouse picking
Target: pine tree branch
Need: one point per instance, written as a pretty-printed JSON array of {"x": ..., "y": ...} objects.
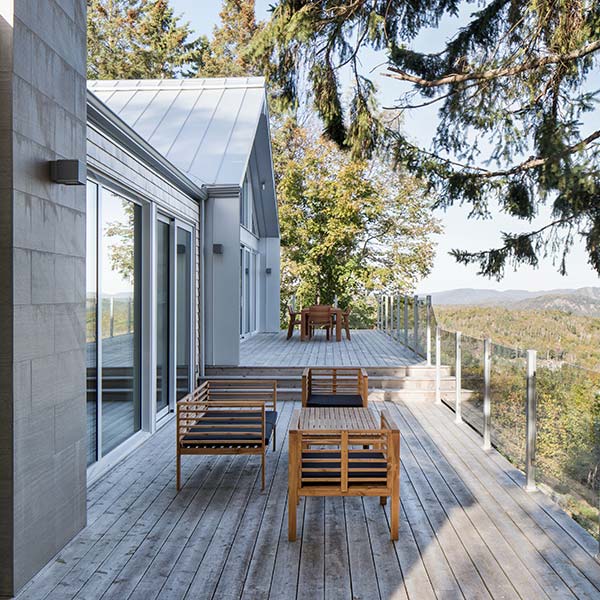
[
  {"x": 536, "y": 63},
  {"x": 530, "y": 163}
]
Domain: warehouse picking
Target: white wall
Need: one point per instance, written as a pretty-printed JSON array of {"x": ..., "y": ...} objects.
[
  {"x": 271, "y": 282},
  {"x": 222, "y": 281}
]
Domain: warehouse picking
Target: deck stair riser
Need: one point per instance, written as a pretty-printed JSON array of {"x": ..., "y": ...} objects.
[
  {"x": 411, "y": 371},
  {"x": 385, "y": 383}
]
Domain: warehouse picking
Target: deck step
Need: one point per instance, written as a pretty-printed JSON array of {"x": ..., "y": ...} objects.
[{"x": 275, "y": 372}]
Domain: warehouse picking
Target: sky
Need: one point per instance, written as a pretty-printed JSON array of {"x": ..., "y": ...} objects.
[{"x": 459, "y": 231}]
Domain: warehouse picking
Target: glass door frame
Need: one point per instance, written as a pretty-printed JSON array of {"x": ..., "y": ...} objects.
[
  {"x": 179, "y": 224},
  {"x": 176, "y": 223},
  {"x": 104, "y": 459},
  {"x": 160, "y": 217},
  {"x": 249, "y": 290}
]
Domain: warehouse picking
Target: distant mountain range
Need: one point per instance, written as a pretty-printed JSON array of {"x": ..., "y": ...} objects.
[{"x": 581, "y": 301}]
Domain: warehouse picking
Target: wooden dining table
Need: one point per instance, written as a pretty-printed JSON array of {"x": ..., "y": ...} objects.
[{"x": 304, "y": 328}]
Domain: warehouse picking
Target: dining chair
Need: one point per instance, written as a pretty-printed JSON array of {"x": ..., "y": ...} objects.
[
  {"x": 294, "y": 320},
  {"x": 320, "y": 316},
  {"x": 346, "y": 322}
]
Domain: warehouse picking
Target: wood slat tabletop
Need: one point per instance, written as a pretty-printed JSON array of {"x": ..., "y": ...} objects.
[{"x": 339, "y": 419}]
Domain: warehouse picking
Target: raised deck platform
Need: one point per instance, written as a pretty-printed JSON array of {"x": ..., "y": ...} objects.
[
  {"x": 366, "y": 348},
  {"x": 468, "y": 529}
]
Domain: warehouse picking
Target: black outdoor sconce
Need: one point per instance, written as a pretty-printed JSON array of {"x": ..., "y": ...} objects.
[{"x": 68, "y": 172}]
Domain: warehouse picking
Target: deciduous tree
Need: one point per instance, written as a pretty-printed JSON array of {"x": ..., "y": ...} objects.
[{"x": 348, "y": 226}]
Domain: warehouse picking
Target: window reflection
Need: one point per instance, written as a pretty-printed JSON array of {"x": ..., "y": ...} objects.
[{"x": 120, "y": 311}]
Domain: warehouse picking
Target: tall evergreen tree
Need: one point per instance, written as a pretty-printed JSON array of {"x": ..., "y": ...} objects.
[
  {"x": 518, "y": 77},
  {"x": 228, "y": 54},
  {"x": 139, "y": 39}
]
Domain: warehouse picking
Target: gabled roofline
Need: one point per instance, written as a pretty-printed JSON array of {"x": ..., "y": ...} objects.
[{"x": 100, "y": 115}]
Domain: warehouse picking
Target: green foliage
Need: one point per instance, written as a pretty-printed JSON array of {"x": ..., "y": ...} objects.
[
  {"x": 139, "y": 39},
  {"x": 348, "y": 227},
  {"x": 515, "y": 79},
  {"x": 568, "y": 397},
  {"x": 554, "y": 334},
  {"x": 228, "y": 52}
]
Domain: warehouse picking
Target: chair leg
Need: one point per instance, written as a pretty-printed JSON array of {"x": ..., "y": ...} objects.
[
  {"x": 327, "y": 330},
  {"x": 292, "y": 503},
  {"x": 290, "y": 332},
  {"x": 178, "y": 467},
  {"x": 394, "y": 516},
  {"x": 383, "y": 500}
]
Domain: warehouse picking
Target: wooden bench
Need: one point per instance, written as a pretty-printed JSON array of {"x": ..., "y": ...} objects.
[
  {"x": 335, "y": 386},
  {"x": 343, "y": 452},
  {"x": 227, "y": 417}
]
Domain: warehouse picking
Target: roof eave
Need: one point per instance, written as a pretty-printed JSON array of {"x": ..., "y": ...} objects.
[{"x": 103, "y": 117}]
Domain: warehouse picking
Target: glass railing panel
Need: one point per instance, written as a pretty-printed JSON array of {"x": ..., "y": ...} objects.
[
  {"x": 448, "y": 361},
  {"x": 507, "y": 397},
  {"x": 472, "y": 382},
  {"x": 568, "y": 430},
  {"x": 411, "y": 323}
]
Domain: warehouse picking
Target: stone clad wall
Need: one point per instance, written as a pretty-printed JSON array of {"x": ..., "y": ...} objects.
[{"x": 43, "y": 299}]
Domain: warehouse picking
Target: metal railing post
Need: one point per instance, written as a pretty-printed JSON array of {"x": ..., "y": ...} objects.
[
  {"x": 458, "y": 377},
  {"x": 391, "y": 329},
  {"x": 406, "y": 321},
  {"x": 398, "y": 318},
  {"x": 416, "y": 323},
  {"x": 112, "y": 317},
  {"x": 531, "y": 422},
  {"x": 487, "y": 412},
  {"x": 428, "y": 325},
  {"x": 438, "y": 365},
  {"x": 384, "y": 313},
  {"x": 378, "y": 323}
]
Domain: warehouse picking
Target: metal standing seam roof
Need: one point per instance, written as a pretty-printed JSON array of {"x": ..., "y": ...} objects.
[{"x": 205, "y": 127}]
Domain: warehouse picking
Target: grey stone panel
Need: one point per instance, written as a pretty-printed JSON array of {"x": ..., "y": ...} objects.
[
  {"x": 33, "y": 332},
  {"x": 69, "y": 327},
  {"x": 21, "y": 276}
]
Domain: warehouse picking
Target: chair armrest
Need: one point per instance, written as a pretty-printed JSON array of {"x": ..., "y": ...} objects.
[
  {"x": 306, "y": 385},
  {"x": 387, "y": 422},
  {"x": 363, "y": 379}
]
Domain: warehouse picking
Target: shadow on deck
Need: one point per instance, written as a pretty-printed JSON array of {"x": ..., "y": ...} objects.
[{"x": 468, "y": 529}]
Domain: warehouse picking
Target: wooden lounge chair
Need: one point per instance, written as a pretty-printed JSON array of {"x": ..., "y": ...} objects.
[
  {"x": 227, "y": 417},
  {"x": 335, "y": 386},
  {"x": 320, "y": 316},
  {"x": 294, "y": 320},
  {"x": 332, "y": 463}
]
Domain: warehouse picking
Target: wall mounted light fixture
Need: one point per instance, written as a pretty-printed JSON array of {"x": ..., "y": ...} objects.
[{"x": 68, "y": 172}]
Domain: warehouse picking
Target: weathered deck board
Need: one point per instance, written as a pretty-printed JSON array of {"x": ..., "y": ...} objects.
[
  {"x": 467, "y": 529},
  {"x": 366, "y": 348}
]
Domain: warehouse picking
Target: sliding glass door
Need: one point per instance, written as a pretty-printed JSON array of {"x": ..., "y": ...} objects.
[
  {"x": 120, "y": 294},
  {"x": 248, "y": 291},
  {"x": 184, "y": 311},
  {"x": 123, "y": 394},
  {"x": 163, "y": 313},
  {"x": 113, "y": 319}
]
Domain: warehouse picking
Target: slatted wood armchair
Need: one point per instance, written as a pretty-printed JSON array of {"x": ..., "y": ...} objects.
[
  {"x": 335, "y": 386},
  {"x": 338, "y": 462},
  {"x": 320, "y": 316},
  {"x": 227, "y": 417},
  {"x": 294, "y": 319}
]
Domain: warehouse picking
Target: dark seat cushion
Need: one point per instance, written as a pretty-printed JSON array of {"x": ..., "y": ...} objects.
[
  {"x": 222, "y": 430},
  {"x": 369, "y": 470},
  {"x": 341, "y": 400}
]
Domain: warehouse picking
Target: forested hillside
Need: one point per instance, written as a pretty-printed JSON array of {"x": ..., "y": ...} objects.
[{"x": 552, "y": 333}]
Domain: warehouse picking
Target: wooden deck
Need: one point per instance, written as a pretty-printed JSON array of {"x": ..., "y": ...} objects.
[
  {"x": 366, "y": 348},
  {"x": 468, "y": 529}
]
